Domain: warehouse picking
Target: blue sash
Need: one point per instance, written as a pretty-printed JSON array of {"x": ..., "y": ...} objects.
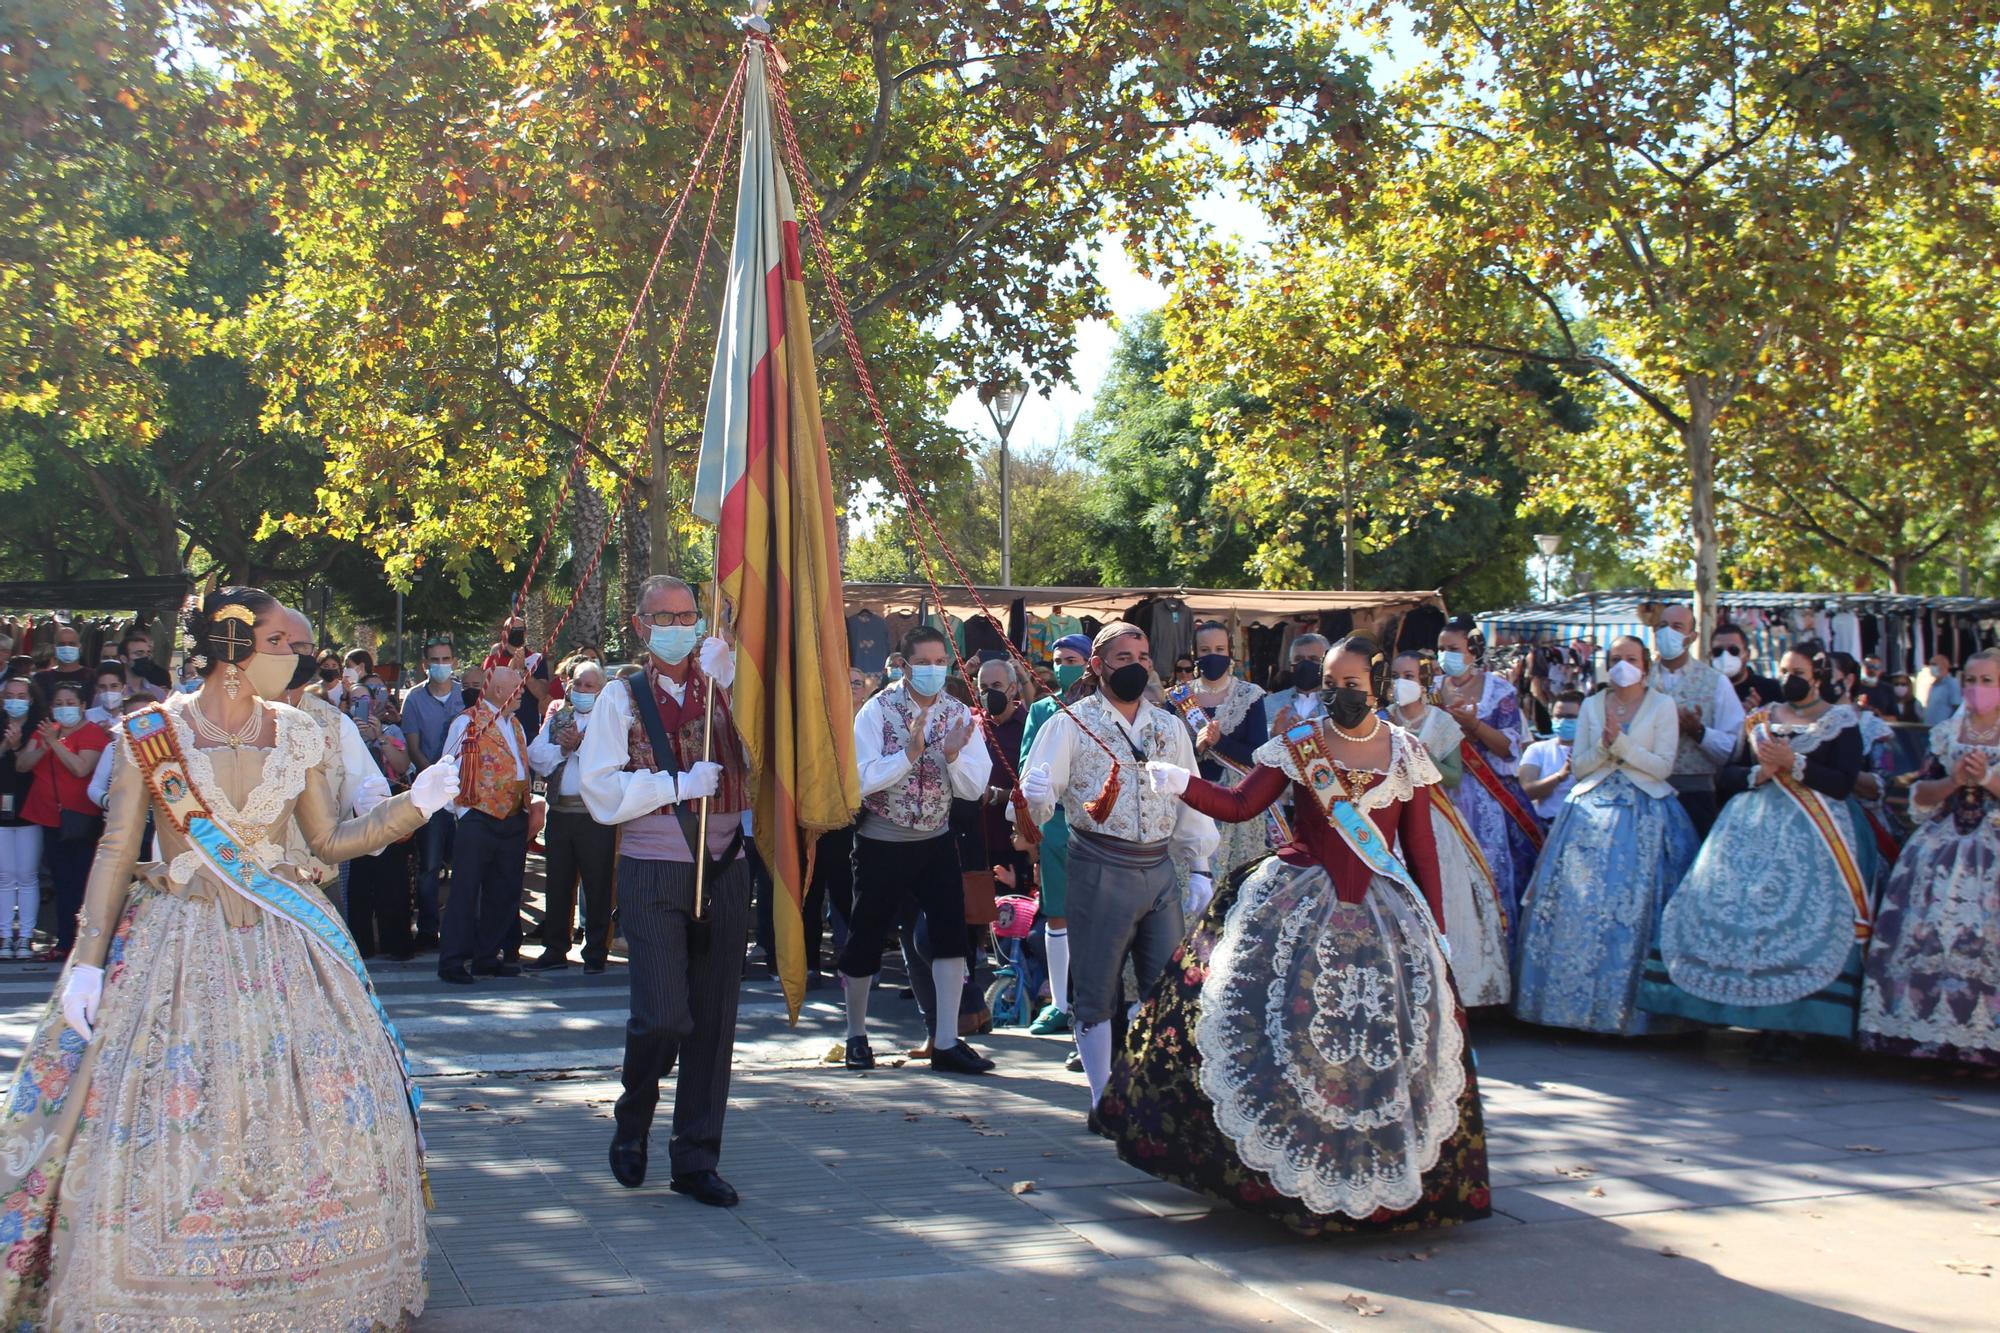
[
  {"x": 157, "y": 751},
  {"x": 1322, "y": 779}
]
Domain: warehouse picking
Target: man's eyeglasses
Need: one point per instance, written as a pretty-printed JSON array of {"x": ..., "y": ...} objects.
[{"x": 662, "y": 619}]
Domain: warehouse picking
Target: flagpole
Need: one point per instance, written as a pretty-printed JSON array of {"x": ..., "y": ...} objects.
[{"x": 700, "y": 854}]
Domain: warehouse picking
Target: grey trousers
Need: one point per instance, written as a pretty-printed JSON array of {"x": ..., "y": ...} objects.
[
  {"x": 683, "y": 1001},
  {"x": 1122, "y": 898}
]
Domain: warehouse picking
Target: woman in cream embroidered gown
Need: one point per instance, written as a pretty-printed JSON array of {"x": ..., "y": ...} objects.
[
  {"x": 1473, "y": 921},
  {"x": 1304, "y": 1056},
  {"x": 210, "y": 1127}
]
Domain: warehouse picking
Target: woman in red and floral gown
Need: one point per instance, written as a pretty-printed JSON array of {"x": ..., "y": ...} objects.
[{"x": 1305, "y": 1055}]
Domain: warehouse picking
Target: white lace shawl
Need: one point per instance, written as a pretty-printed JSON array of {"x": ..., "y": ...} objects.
[
  {"x": 299, "y": 745},
  {"x": 1410, "y": 767}
]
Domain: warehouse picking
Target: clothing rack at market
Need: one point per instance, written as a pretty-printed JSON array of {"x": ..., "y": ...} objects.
[{"x": 1903, "y": 629}]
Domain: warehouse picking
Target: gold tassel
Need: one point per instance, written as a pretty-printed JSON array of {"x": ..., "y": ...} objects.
[{"x": 1024, "y": 824}]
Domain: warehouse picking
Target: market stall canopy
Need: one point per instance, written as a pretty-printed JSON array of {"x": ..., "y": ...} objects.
[
  {"x": 113, "y": 595},
  {"x": 1106, "y": 602}
]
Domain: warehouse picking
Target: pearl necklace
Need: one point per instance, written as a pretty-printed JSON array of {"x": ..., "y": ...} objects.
[
  {"x": 234, "y": 738},
  {"x": 1346, "y": 735}
]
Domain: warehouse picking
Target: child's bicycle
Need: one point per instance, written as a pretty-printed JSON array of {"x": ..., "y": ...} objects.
[{"x": 1017, "y": 975}]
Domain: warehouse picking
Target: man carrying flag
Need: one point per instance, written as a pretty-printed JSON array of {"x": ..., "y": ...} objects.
[
  {"x": 641, "y": 765},
  {"x": 762, "y": 479}
]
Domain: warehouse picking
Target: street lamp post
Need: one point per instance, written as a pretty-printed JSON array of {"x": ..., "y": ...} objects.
[
  {"x": 1548, "y": 543},
  {"x": 1003, "y": 404}
]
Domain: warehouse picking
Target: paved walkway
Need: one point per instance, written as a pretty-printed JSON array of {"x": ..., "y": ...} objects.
[
  {"x": 1674, "y": 1184},
  {"x": 1668, "y": 1187}
]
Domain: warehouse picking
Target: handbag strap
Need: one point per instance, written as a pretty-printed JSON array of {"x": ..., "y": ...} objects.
[{"x": 648, "y": 709}]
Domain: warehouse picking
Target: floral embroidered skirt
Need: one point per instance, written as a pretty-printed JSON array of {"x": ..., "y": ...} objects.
[
  {"x": 1355, "y": 1094},
  {"x": 233, "y": 1149},
  {"x": 1932, "y": 989}
]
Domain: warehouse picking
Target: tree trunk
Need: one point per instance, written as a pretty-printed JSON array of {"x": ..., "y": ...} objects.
[
  {"x": 1347, "y": 514},
  {"x": 1698, "y": 438},
  {"x": 1899, "y": 573},
  {"x": 635, "y": 548},
  {"x": 589, "y": 519}
]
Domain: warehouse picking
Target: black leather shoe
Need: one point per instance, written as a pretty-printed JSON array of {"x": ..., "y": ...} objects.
[
  {"x": 628, "y": 1162},
  {"x": 959, "y": 1059},
  {"x": 550, "y": 961},
  {"x": 498, "y": 970},
  {"x": 593, "y": 969},
  {"x": 705, "y": 1187},
  {"x": 427, "y": 944},
  {"x": 859, "y": 1054},
  {"x": 458, "y": 978}
]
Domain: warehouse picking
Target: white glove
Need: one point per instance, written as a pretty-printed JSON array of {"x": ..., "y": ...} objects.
[
  {"x": 699, "y": 780},
  {"x": 81, "y": 993},
  {"x": 1037, "y": 787},
  {"x": 436, "y": 787},
  {"x": 1166, "y": 779},
  {"x": 1200, "y": 889},
  {"x": 718, "y": 661}
]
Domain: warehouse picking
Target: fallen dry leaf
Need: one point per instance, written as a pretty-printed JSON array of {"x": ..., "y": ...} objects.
[
  {"x": 1421, "y": 1256},
  {"x": 1670, "y": 1252},
  {"x": 1859, "y": 1147},
  {"x": 1576, "y": 1172},
  {"x": 473, "y": 1106},
  {"x": 1967, "y": 1268},
  {"x": 1024, "y": 1187},
  {"x": 1360, "y": 1304},
  {"x": 1596, "y": 1191}
]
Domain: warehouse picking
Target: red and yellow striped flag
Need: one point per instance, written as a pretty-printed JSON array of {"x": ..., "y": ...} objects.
[{"x": 763, "y": 481}]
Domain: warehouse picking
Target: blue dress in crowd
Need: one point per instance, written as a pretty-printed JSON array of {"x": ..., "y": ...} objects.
[
  {"x": 1591, "y": 910},
  {"x": 1510, "y": 850},
  {"x": 1762, "y": 932}
]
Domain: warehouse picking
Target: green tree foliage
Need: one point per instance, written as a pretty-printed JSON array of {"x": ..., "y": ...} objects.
[
  {"x": 1657, "y": 195},
  {"x": 471, "y": 194},
  {"x": 1156, "y": 522},
  {"x": 1055, "y": 503}
]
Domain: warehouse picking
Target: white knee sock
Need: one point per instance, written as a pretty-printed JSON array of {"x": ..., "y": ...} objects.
[
  {"x": 857, "y": 989},
  {"x": 1056, "y": 939},
  {"x": 1093, "y": 1043},
  {"x": 948, "y": 975}
]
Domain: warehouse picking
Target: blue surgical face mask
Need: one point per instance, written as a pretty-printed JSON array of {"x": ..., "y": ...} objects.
[
  {"x": 672, "y": 643},
  {"x": 67, "y": 715},
  {"x": 191, "y": 686},
  {"x": 1566, "y": 729},
  {"x": 68, "y": 653},
  {"x": 1671, "y": 642},
  {"x": 1454, "y": 663},
  {"x": 16, "y": 707},
  {"x": 894, "y": 674},
  {"x": 439, "y": 672},
  {"x": 584, "y": 701},
  {"x": 928, "y": 678}
]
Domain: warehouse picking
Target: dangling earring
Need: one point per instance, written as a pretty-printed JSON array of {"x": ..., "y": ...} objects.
[{"x": 232, "y": 681}]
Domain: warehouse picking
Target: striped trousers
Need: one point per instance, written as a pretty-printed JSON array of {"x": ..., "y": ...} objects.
[{"x": 685, "y": 985}]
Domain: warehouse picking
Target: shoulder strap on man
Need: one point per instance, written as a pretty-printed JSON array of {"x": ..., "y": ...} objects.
[{"x": 648, "y": 708}]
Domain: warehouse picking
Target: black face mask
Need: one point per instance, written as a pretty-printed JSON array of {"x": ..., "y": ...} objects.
[
  {"x": 517, "y": 637},
  {"x": 1212, "y": 666},
  {"x": 1795, "y": 689},
  {"x": 996, "y": 702},
  {"x": 303, "y": 672},
  {"x": 1306, "y": 676},
  {"x": 1833, "y": 691},
  {"x": 1128, "y": 682},
  {"x": 1346, "y": 705},
  {"x": 328, "y": 673},
  {"x": 471, "y": 698}
]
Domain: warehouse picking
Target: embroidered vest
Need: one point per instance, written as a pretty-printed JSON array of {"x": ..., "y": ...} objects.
[
  {"x": 685, "y": 724},
  {"x": 495, "y": 789},
  {"x": 922, "y": 800},
  {"x": 1693, "y": 688},
  {"x": 1140, "y": 815}
]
